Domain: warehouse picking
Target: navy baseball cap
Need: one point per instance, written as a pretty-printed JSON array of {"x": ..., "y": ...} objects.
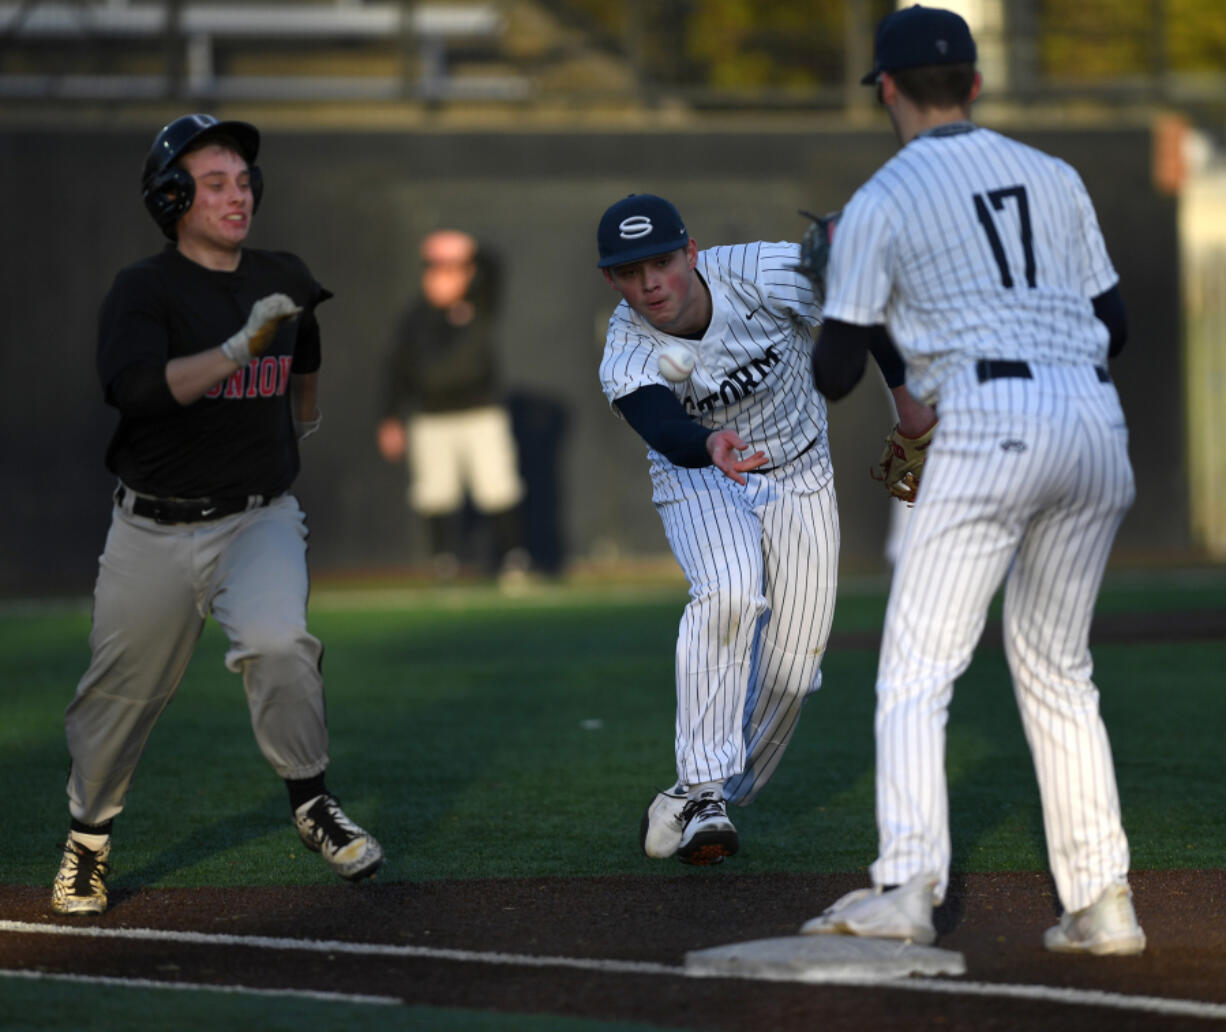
[
  {"x": 639, "y": 226},
  {"x": 915, "y": 36}
]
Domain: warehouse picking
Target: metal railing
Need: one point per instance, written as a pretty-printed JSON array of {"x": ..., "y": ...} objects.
[{"x": 185, "y": 37}]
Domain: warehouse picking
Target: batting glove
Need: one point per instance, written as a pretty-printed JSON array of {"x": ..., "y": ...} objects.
[{"x": 266, "y": 315}]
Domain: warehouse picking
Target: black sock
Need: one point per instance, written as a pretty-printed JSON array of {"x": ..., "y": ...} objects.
[
  {"x": 92, "y": 829},
  {"x": 304, "y": 790}
]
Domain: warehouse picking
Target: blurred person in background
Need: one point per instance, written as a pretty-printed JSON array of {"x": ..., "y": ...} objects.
[{"x": 445, "y": 414}]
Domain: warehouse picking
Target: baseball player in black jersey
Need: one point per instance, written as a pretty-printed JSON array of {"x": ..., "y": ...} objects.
[
  {"x": 982, "y": 261},
  {"x": 210, "y": 351}
]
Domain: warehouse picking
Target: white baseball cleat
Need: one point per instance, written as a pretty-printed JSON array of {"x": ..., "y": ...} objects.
[
  {"x": 1107, "y": 927},
  {"x": 708, "y": 835},
  {"x": 660, "y": 830},
  {"x": 903, "y": 912}
]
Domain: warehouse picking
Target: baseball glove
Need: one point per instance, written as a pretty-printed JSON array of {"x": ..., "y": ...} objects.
[
  {"x": 815, "y": 250},
  {"x": 902, "y": 463}
]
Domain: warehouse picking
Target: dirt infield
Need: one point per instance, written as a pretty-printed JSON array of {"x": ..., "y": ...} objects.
[{"x": 996, "y": 920}]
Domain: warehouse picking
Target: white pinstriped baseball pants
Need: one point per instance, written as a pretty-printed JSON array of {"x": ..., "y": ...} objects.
[
  {"x": 762, "y": 565},
  {"x": 1026, "y": 482}
]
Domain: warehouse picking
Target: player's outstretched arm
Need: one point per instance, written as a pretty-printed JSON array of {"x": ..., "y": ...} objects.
[
  {"x": 660, "y": 420},
  {"x": 724, "y": 447}
]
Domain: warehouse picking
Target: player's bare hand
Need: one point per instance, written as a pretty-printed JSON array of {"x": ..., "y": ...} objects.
[
  {"x": 724, "y": 447},
  {"x": 253, "y": 339}
]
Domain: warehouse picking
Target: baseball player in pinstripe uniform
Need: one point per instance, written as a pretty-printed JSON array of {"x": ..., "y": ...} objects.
[
  {"x": 210, "y": 351},
  {"x": 741, "y": 478},
  {"x": 984, "y": 261}
]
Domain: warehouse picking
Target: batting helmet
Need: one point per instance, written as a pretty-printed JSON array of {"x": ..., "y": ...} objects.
[{"x": 168, "y": 188}]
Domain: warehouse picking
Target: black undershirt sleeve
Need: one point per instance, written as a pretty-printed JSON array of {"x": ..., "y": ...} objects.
[
  {"x": 893, "y": 368},
  {"x": 307, "y": 348},
  {"x": 140, "y": 389},
  {"x": 1109, "y": 307},
  {"x": 661, "y": 420},
  {"x": 841, "y": 353}
]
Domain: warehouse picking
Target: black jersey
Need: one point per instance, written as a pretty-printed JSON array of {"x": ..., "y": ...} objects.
[
  {"x": 238, "y": 439},
  {"x": 438, "y": 366}
]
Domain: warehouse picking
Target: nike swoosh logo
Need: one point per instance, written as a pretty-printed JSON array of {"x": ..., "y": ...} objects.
[
  {"x": 208, "y": 512},
  {"x": 754, "y": 312}
]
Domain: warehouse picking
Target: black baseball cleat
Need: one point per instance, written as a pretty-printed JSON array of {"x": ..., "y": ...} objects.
[
  {"x": 708, "y": 835},
  {"x": 347, "y": 849}
]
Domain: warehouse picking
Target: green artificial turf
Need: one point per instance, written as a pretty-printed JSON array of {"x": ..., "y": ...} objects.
[
  {"x": 484, "y": 736},
  {"x": 541, "y": 725}
]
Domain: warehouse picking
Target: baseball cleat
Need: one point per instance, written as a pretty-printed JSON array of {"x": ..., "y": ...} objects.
[
  {"x": 660, "y": 831},
  {"x": 1107, "y": 927},
  {"x": 347, "y": 849},
  {"x": 903, "y": 912},
  {"x": 80, "y": 885},
  {"x": 707, "y": 835}
]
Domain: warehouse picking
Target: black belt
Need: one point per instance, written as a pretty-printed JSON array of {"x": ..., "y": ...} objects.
[
  {"x": 768, "y": 469},
  {"x": 194, "y": 510},
  {"x": 1002, "y": 369}
]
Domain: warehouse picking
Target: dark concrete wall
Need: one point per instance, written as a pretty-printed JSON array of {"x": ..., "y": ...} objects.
[{"x": 354, "y": 205}]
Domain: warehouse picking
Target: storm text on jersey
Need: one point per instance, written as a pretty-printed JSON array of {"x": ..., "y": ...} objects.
[{"x": 740, "y": 382}]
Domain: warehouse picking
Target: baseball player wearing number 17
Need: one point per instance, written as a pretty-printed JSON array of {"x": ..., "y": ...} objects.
[
  {"x": 708, "y": 357},
  {"x": 984, "y": 261},
  {"x": 210, "y": 351}
]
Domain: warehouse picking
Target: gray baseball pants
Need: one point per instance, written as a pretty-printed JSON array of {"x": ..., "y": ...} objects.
[{"x": 156, "y": 585}]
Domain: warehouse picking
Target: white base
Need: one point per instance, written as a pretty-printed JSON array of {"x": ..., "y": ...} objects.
[{"x": 823, "y": 958}]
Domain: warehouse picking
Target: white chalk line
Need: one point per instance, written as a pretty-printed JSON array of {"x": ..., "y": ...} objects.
[
  {"x": 365, "y": 949},
  {"x": 234, "y": 990},
  {"x": 1040, "y": 993}
]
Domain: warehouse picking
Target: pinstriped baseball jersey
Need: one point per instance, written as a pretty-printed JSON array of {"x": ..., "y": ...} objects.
[
  {"x": 761, "y": 558},
  {"x": 967, "y": 244},
  {"x": 754, "y": 372}
]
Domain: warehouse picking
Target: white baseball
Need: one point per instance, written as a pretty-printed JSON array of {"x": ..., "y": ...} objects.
[{"x": 676, "y": 362}]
